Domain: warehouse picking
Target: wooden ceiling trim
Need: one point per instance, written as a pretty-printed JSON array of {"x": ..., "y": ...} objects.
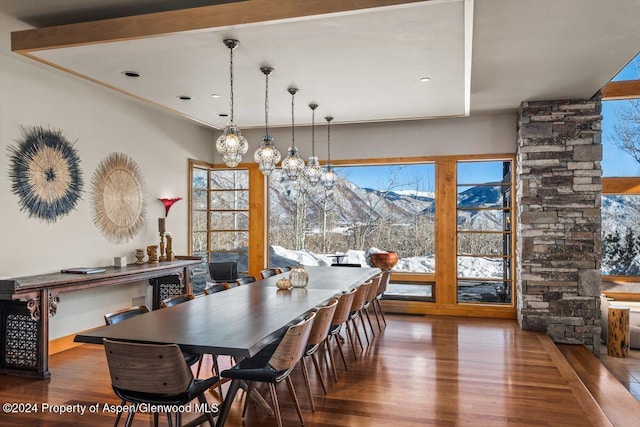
[
  {"x": 155, "y": 24},
  {"x": 621, "y": 90}
]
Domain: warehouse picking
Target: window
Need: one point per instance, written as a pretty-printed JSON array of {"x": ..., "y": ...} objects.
[
  {"x": 220, "y": 215},
  {"x": 621, "y": 181},
  {"x": 484, "y": 235},
  {"x": 377, "y": 206}
]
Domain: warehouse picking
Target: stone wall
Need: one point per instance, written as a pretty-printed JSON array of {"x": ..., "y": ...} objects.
[{"x": 559, "y": 248}]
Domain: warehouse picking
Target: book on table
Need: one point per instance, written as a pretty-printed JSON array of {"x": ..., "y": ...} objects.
[{"x": 83, "y": 270}]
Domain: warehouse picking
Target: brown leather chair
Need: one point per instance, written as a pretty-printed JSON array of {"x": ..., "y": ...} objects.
[
  {"x": 384, "y": 281},
  {"x": 369, "y": 301},
  {"x": 243, "y": 281},
  {"x": 167, "y": 381}
]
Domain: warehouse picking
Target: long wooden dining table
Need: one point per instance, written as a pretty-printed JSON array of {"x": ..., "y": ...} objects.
[{"x": 238, "y": 322}]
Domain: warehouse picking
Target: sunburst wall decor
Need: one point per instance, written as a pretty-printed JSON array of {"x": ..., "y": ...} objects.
[
  {"x": 45, "y": 173},
  {"x": 118, "y": 203}
]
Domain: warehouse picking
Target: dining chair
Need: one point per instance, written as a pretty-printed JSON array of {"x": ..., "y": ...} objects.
[
  {"x": 268, "y": 272},
  {"x": 272, "y": 365},
  {"x": 244, "y": 281},
  {"x": 154, "y": 374},
  {"x": 318, "y": 336},
  {"x": 371, "y": 296},
  {"x": 124, "y": 314},
  {"x": 215, "y": 288},
  {"x": 176, "y": 299},
  {"x": 356, "y": 312},
  {"x": 223, "y": 271},
  {"x": 384, "y": 281},
  {"x": 284, "y": 269},
  {"x": 340, "y": 317}
]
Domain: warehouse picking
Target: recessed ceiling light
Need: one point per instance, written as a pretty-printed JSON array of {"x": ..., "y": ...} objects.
[
  {"x": 184, "y": 98},
  {"x": 425, "y": 79},
  {"x": 215, "y": 95},
  {"x": 130, "y": 73},
  {"x": 223, "y": 115}
]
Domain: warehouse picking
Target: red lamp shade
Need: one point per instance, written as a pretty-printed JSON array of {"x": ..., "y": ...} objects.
[{"x": 168, "y": 202}]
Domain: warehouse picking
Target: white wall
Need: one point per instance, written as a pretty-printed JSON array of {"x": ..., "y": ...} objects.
[
  {"x": 100, "y": 122},
  {"x": 484, "y": 134}
]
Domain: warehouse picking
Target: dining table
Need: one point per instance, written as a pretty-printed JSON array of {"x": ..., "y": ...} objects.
[{"x": 238, "y": 322}]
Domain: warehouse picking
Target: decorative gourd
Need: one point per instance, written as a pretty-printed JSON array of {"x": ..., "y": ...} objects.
[
  {"x": 299, "y": 276},
  {"x": 283, "y": 283}
]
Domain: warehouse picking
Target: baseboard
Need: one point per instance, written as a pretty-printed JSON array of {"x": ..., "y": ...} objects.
[{"x": 65, "y": 343}]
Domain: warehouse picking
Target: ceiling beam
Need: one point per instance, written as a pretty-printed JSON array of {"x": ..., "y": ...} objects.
[
  {"x": 621, "y": 90},
  {"x": 214, "y": 16}
]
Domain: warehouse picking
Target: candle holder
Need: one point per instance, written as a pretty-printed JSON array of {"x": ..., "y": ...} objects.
[
  {"x": 163, "y": 256},
  {"x": 139, "y": 256},
  {"x": 170, "y": 256},
  {"x": 152, "y": 251}
]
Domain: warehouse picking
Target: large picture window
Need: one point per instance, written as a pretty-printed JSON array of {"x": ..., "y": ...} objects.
[{"x": 484, "y": 234}]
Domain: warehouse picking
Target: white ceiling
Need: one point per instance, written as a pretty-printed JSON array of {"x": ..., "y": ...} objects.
[{"x": 365, "y": 65}]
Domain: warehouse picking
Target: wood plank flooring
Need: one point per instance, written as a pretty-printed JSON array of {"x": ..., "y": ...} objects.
[{"x": 440, "y": 371}]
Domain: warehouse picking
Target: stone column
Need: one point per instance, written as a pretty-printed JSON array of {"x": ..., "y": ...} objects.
[{"x": 559, "y": 248}]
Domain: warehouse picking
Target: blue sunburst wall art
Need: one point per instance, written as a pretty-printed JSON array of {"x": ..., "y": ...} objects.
[{"x": 45, "y": 173}]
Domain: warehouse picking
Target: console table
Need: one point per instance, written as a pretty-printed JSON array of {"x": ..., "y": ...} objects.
[{"x": 26, "y": 303}]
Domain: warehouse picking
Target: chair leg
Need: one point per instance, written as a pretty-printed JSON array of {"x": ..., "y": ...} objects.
[
  {"x": 355, "y": 323},
  {"x": 199, "y": 366},
  {"x": 274, "y": 401},
  {"x": 294, "y": 397},
  {"x": 351, "y": 340},
  {"x": 129, "y": 419},
  {"x": 305, "y": 371},
  {"x": 357, "y": 332},
  {"x": 119, "y": 413},
  {"x": 375, "y": 311},
  {"x": 209, "y": 415},
  {"x": 169, "y": 419},
  {"x": 217, "y": 369},
  {"x": 366, "y": 313},
  {"x": 381, "y": 312},
  {"x": 246, "y": 398},
  {"x": 178, "y": 419},
  {"x": 317, "y": 365},
  {"x": 333, "y": 362},
  {"x": 344, "y": 360},
  {"x": 155, "y": 419}
]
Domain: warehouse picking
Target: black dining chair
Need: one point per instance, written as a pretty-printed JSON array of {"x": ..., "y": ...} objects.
[
  {"x": 154, "y": 374},
  {"x": 223, "y": 271},
  {"x": 245, "y": 280},
  {"x": 124, "y": 314},
  {"x": 268, "y": 272}
]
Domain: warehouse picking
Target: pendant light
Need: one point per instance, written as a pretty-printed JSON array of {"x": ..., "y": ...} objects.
[
  {"x": 267, "y": 155},
  {"x": 329, "y": 175},
  {"x": 313, "y": 170},
  {"x": 293, "y": 163},
  {"x": 231, "y": 144}
]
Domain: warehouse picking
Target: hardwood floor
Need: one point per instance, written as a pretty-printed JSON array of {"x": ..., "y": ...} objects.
[{"x": 441, "y": 371}]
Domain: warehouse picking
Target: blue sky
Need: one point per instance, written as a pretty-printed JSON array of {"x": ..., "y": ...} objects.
[{"x": 616, "y": 162}]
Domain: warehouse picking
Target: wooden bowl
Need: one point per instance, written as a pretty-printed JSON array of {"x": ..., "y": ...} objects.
[{"x": 385, "y": 261}]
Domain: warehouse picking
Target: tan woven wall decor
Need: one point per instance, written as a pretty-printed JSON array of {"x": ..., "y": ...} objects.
[{"x": 118, "y": 202}]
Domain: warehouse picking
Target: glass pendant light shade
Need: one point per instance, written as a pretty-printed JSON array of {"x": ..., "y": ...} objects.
[
  {"x": 231, "y": 144},
  {"x": 329, "y": 176},
  {"x": 293, "y": 164},
  {"x": 313, "y": 171},
  {"x": 267, "y": 155}
]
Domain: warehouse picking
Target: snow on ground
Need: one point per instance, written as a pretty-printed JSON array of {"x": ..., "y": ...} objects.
[{"x": 468, "y": 266}]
